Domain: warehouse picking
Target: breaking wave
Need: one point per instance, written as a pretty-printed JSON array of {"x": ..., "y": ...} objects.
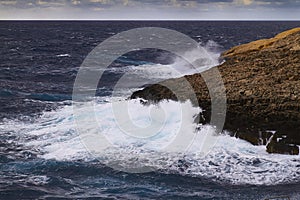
[{"x": 231, "y": 160}]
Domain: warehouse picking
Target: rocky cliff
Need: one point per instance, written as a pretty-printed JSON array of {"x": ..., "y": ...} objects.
[{"x": 262, "y": 81}]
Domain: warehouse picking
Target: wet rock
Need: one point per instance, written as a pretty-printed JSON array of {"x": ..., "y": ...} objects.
[{"x": 281, "y": 147}]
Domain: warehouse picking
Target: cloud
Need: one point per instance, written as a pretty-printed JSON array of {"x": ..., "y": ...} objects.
[
  {"x": 8, "y": 2},
  {"x": 101, "y": 1},
  {"x": 196, "y": 9},
  {"x": 244, "y": 2},
  {"x": 33, "y": 3},
  {"x": 50, "y": 3},
  {"x": 149, "y": 3},
  {"x": 76, "y": 2}
]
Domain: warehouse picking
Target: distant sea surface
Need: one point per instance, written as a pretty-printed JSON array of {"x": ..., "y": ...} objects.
[{"x": 42, "y": 157}]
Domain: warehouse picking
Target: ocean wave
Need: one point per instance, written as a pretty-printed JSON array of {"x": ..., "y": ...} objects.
[
  {"x": 230, "y": 160},
  {"x": 198, "y": 60}
]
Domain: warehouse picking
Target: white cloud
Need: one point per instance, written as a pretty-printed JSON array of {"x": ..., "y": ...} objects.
[
  {"x": 76, "y": 2},
  {"x": 244, "y": 2},
  {"x": 125, "y": 2},
  {"x": 8, "y": 2},
  {"x": 50, "y": 3}
]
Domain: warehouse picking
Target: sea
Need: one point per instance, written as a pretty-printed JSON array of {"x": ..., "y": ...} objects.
[{"x": 43, "y": 154}]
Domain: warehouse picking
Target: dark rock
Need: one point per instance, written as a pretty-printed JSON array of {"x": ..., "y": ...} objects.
[
  {"x": 262, "y": 81},
  {"x": 282, "y": 148}
]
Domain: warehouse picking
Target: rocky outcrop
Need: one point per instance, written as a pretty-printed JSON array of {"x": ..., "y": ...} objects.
[
  {"x": 262, "y": 44},
  {"x": 262, "y": 81}
]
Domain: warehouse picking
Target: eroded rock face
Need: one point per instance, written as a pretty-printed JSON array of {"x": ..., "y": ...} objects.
[{"x": 262, "y": 81}]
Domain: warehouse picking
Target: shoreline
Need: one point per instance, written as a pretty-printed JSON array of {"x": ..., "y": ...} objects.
[{"x": 262, "y": 88}]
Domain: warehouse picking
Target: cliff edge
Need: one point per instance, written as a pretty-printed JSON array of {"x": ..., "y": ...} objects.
[{"x": 262, "y": 81}]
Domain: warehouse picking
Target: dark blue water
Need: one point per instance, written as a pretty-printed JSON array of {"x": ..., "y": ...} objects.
[{"x": 38, "y": 65}]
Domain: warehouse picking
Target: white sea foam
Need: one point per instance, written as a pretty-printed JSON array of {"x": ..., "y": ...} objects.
[
  {"x": 63, "y": 55},
  {"x": 231, "y": 159},
  {"x": 198, "y": 60}
]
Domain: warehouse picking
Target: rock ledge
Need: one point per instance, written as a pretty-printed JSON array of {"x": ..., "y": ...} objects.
[{"x": 262, "y": 81}]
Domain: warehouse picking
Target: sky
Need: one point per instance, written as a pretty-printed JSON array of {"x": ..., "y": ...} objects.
[{"x": 150, "y": 9}]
